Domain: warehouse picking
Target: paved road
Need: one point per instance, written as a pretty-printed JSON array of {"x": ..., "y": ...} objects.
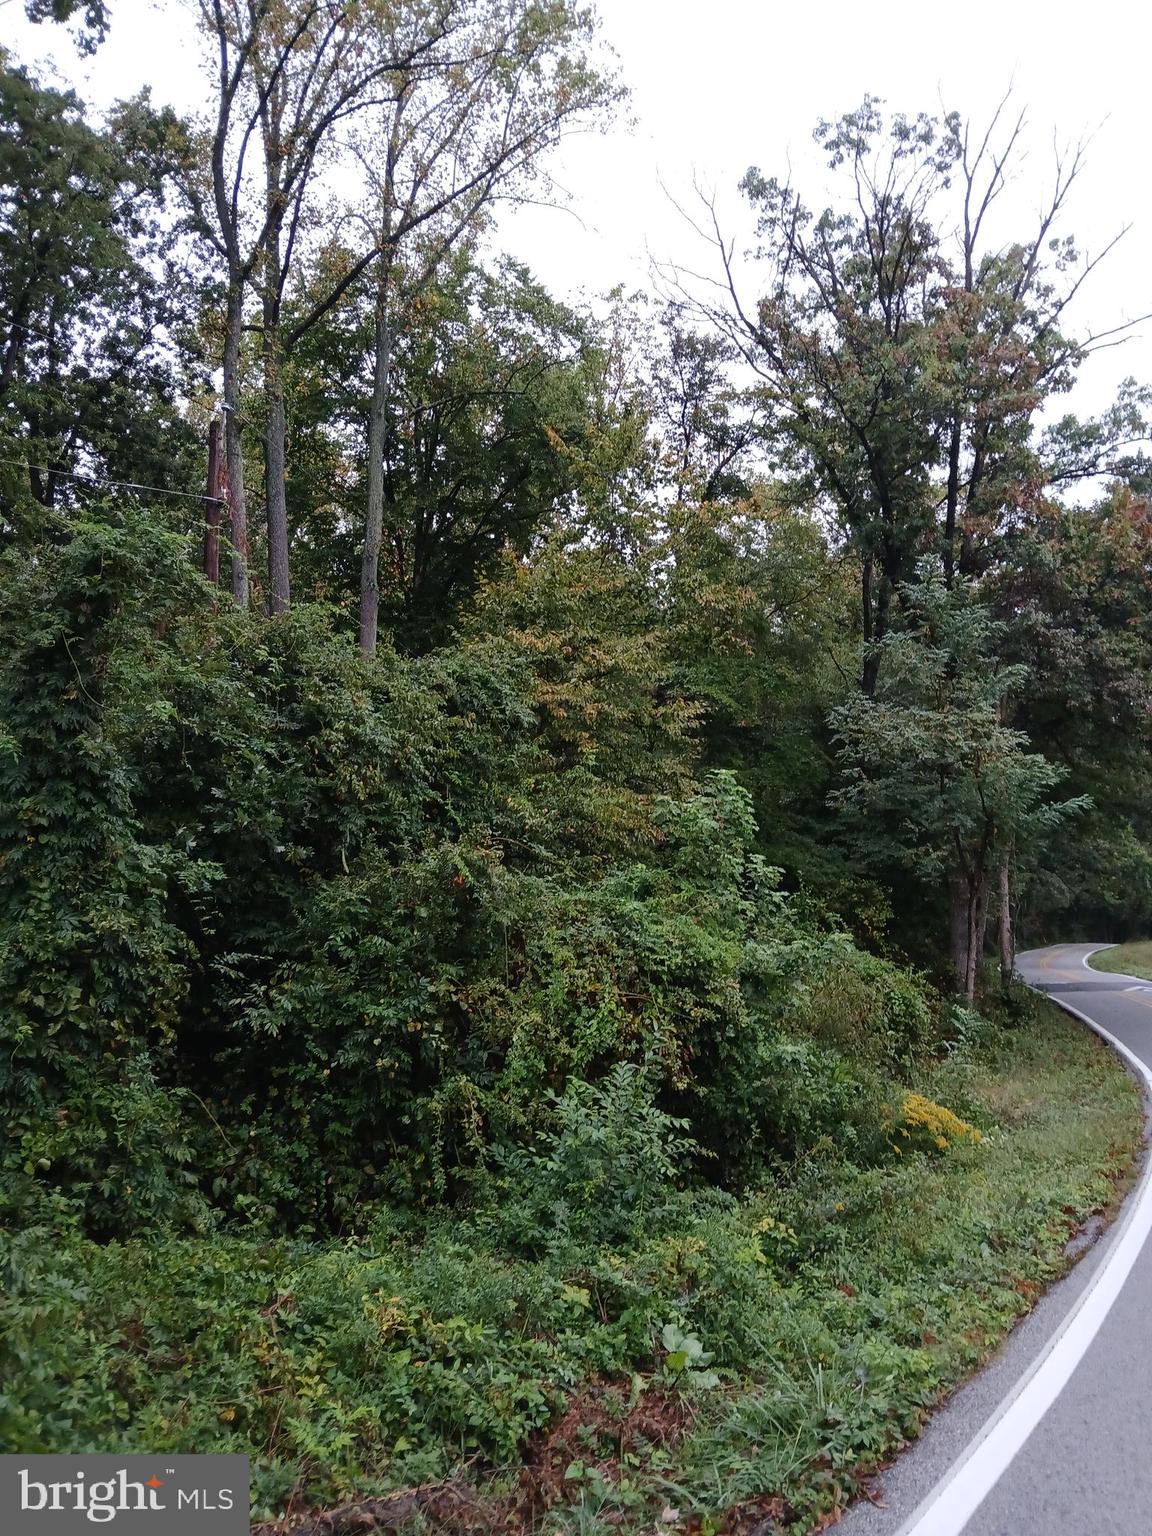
[{"x": 1085, "y": 1468}]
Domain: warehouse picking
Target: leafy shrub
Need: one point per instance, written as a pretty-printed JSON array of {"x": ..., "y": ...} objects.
[
  {"x": 835, "y": 1304},
  {"x": 186, "y": 795},
  {"x": 600, "y": 1173},
  {"x": 863, "y": 1005},
  {"x": 779, "y": 1096}
]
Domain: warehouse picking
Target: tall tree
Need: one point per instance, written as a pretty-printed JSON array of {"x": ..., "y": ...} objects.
[
  {"x": 289, "y": 76},
  {"x": 449, "y": 143},
  {"x": 1072, "y": 589},
  {"x": 935, "y": 783},
  {"x": 492, "y": 407},
  {"x": 707, "y": 425},
  {"x": 902, "y": 375},
  {"x": 92, "y": 316},
  {"x": 442, "y": 103},
  {"x": 904, "y": 370},
  {"x": 91, "y": 31},
  {"x": 759, "y": 612}
]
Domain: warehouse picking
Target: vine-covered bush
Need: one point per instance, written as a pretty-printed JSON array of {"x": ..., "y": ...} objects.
[{"x": 289, "y": 932}]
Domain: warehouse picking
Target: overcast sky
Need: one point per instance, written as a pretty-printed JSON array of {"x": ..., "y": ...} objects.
[{"x": 718, "y": 85}]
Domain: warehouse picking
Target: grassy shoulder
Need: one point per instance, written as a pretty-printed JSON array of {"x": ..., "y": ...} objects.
[
  {"x": 1128, "y": 959},
  {"x": 743, "y": 1358}
]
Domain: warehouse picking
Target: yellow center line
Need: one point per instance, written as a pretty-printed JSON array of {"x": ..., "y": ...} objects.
[
  {"x": 1047, "y": 964},
  {"x": 1136, "y": 997}
]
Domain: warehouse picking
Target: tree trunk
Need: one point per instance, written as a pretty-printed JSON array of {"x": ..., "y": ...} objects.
[
  {"x": 1007, "y": 937},
  {"x": 952, "y": 503},
  {"x": 377, "y": 432},
  {"x": 381, "y": 375},
  {"x": 275, "y": 424},
  {"x": 958, "y": 928},
  {"x": 968, "y": 919},
  {"x": 976, "y": 923},
  {"x": 212, "y": 507},
  {"x": 972, "y": 910},
  {"x": 981, "y": 933},
  {"x": 275, "y": 469},
  {"x": 233, "y": 448},
  {"x": 877, "y": 591},
  {"x": 273, "y": 275}
]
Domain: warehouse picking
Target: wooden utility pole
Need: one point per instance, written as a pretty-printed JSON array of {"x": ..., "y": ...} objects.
[{"x": 212, "y": 507}]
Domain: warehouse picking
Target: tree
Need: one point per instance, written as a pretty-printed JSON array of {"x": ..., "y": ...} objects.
[
  {"x": 1071, "y": 588},
  {"x": 491, "y": 381},
  {"x": 613, "y": 458},
  {"x": 96, "y": 18},
  {"x": 759, "y": 613},
  {"x": 462, "y": 94},
  {"x": 451, "y": 141},
  {"x": 613, "y": 728},
  {"x": 902, "y": 377},
  {"x": 493, "y": 395},
  {"x": 92, "y": 321},
  {"x": 934, "y": 782},
  {"x": 707, "y": 426},
  {"x": 289, "y": 75}
]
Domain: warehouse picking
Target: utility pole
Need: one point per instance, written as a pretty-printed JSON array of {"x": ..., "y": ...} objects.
[{"x": 212, "y": 507}]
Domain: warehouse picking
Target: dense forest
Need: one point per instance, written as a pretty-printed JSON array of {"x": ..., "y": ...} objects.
[{"x": 499, "y": 787}]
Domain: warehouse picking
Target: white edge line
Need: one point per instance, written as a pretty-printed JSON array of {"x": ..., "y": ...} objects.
[
  {"x": 1142, "y": 983},
  {"x": 955, "y": 1499},
  {"x": 1098, "y": 949}
]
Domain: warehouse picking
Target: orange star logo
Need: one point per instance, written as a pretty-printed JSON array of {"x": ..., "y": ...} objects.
[{"x": 154, "y": 1482}]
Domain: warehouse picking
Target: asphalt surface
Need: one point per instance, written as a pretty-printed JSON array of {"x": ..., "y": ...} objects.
[{"x": 1085, "y": 1469}]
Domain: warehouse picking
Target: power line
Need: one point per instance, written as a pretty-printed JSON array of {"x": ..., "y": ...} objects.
[
  {"x": 18, "y": 325},
  {"x": 122, "y": 485},
  {"x": 30, "y": 330}
]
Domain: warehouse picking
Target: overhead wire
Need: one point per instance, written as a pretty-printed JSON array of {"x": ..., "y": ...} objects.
[{"x": 122, "y": 485}]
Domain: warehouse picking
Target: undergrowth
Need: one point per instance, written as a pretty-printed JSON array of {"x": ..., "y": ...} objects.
[{"x": 587, "y": 1347}]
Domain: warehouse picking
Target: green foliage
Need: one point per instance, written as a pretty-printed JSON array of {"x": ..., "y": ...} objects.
[
  {"x": 930, "y": 767},
  {"x": 1075, "y": 599},
  {"x": 181, "y": 791},
  {"x": 759, "y": 614},
  {"x": 601, "y": 1172},
  {"x": 278, "y": 885},
  {"x": 935, "y": 782},
  {"x": 93, "y": 971},
  {"x": 834, "y": 1305},
  {"x": 492, "y": 390},
  {"x": 412, "y": 1057},
  {"x": 95, "y": 14},
  {"x": 867, "y": 1008},
  {"x": 903, "y": 370},
  {"x": 614, "y": 728},
  {"x": 93, "y": 339}
]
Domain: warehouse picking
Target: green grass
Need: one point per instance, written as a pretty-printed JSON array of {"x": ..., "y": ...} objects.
[
  {"x": 1129, "y": 959},
  {"x": 817, "y": 1321}
]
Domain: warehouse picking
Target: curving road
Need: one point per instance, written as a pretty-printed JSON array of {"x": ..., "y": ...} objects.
[{"x": 1054, "y": 1438}]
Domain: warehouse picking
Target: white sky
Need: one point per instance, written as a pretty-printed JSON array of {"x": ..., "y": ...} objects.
[{"x": 729, "y": 83}]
